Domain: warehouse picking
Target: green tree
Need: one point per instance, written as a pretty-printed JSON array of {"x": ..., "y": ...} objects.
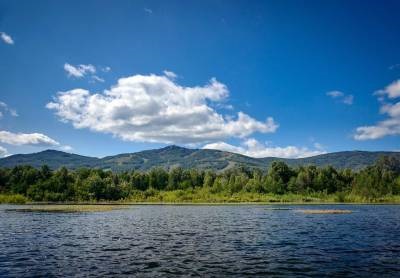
[
  {"x": 278, "y": 177},
  {"x": 174, "y": 178},
  {"x": 158, "y": 178},
  {"x": 209, "y": 178}
]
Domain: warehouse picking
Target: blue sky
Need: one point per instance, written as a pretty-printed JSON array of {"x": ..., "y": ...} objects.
[{"x": 262, "y": 78}]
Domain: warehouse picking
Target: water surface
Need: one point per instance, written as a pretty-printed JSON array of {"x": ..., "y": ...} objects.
[{"x": 163, "y": 241}]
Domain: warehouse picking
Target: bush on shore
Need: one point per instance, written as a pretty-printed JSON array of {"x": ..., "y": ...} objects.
[
  {"x": 13, "y": 199},
  {"x": 279, "y": 183}
]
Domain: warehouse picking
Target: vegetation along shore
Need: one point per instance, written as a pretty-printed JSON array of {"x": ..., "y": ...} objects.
[{"x": 280, "y": 183}]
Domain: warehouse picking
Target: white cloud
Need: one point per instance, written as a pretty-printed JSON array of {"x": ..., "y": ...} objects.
[
  {"x": 318, "y": 146},
  {"x": 253, "y": 148},
  {"x": 380, "y": 130},
  {"x": 26, "y": 139},
  {"x": 82, "y": 71},
  {"x": 391, "y": 91},
  {"x": 348, "y": 99},
  {"x": 152, "y": 108},
  {"x": 6, "y": 38},
  {"x": 13, "y": 112},
  {"x": 342, "y": 97},
  {"x": 6, "y": 108},
  {"x": 170, "y": 74},
  {"x": 66, "y": 148},
  {"x": 98, "y": 79},
  {"x": 335, "y": 94},
  {"x": 106, "y": 69},
  {"x": 390, "y": 125},
  {"x": 79, "y": 71},
  {"x": 32, "y": 139},
  {"x": 3, "y": 152},
  {"x": 87, "y": 68},
  {"x": 224, "y": 106},
  {"x": 149, "y": 11},
  {"x": 393, "y": 110}
]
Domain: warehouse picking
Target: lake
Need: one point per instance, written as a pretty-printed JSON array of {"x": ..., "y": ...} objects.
[{"x": 231, "y": 240}]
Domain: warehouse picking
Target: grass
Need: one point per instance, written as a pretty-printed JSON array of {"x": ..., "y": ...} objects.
[
  {"x": 67, "y": 208},
  {"x": 207, "y": 196},
  {"x": 204, "y": 195},
  {"x": 13, "y": 199}
]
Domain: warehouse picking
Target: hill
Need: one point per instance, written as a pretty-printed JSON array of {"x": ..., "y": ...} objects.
[
  {"x": 174, "y": 156},
  {"x": 54, "y": 159}
]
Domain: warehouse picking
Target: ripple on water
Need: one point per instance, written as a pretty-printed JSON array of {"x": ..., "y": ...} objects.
[{"x": 159, "y": 241}]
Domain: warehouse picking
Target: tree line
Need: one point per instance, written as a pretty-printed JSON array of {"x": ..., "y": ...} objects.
[{"x": 44, "y": 184}]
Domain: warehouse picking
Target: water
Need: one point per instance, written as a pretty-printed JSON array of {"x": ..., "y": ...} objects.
[{"x": 164, "y": 241}]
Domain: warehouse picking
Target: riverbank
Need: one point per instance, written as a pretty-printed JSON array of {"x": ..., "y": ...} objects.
[
  {"x": 13, "y": 199},
  {"x": 178, "y": 197}
]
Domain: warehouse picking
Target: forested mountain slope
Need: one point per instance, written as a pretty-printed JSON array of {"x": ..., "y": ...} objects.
[{"x": 174, "y": 156}]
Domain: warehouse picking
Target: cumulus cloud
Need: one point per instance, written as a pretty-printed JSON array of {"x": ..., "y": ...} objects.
[
  {"x": 6, "y": 38},
  {"x": 342, "y": 97},
  {"x": 253, "y": 148},
  {"x": 3, "y": 152},
  {"x": 26, "y": 139},
  {"x": 153, "y": 108},
  {"x": 79, "y": 71},
  {"x": 390, "y": 125},
  {"x": 5, "y": 108},
  {"x": 380, "y": 130},
  {"x": 391, "y": 91}
]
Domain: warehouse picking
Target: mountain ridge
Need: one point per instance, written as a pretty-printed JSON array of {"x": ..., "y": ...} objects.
[{"x": 175, "y": 156}]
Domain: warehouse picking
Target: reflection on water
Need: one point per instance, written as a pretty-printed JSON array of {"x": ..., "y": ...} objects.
[{"x": 201, "y": 241}]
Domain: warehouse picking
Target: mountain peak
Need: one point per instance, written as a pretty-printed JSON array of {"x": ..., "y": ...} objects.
[
  {"x": 176, "y": 156},
  {"x": 50, "y": 151},
  {"x": 173, "y": 148}
]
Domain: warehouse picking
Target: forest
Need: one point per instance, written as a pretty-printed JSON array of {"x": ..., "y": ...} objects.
[{"x": 278, "y": 183}]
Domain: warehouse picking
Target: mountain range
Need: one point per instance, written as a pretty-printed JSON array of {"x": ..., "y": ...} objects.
[{"x": 174, "y": 156}]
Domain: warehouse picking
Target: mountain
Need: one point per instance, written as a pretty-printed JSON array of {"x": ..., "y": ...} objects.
[
  {"x": 174, "y": 156},
  {"x": 54, "y": 159},
  {"x": 348, "y": 159}
]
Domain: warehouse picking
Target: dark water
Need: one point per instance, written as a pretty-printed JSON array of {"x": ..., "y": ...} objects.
[{"x": 164, "y": 241}]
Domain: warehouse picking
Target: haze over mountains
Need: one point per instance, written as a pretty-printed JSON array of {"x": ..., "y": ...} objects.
[{"x": 174, "y": 156}]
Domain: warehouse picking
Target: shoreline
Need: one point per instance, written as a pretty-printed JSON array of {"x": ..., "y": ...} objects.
[
  {"x": 197, "y": 203},
  {"x": 168, "y": 198}
]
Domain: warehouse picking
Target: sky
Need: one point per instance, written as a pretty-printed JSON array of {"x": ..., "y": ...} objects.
[{"x": 261, "y": 78}]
